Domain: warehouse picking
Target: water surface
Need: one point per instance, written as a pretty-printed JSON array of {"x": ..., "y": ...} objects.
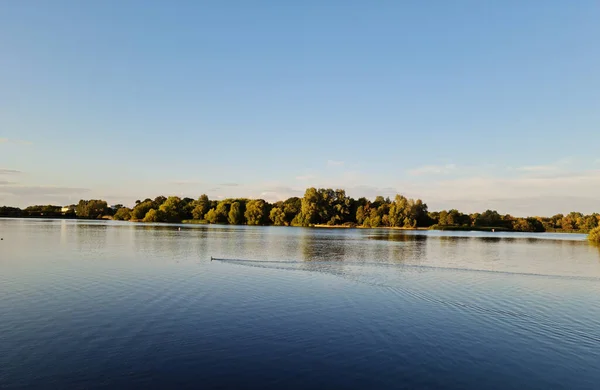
[{"x": 121, "y": 305}]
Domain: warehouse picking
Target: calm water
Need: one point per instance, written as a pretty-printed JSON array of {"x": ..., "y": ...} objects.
[{"x": 119, "y": 305}]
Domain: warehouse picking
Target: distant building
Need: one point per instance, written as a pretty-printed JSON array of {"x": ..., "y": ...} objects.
[{"x": 67, "y": 209}]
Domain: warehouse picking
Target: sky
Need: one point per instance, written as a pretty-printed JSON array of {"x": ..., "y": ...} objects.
[{"x": 465, "y": 104}]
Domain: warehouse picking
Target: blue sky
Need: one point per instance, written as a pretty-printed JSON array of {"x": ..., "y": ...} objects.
[{"x": 466, "y": 104}]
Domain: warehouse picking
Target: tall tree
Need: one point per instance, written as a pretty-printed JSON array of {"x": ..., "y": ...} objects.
[
  {"x": 170, "y": 210},
  {"x": 211, "y": 216},
  {"x": 153, "y": 216},
  {"x": 235, "y": 216},
  {"x": 93, "y": 208},
  {"x": 222, "y": 211},
  {"x": 309, "y": 210},
  {"x": 256, "y": 212},
  {"x": 291, "y": 208},
  {"x": 140, "y": 210},
  {"x": 277, "y": 216},
  {"x": 201, "y": 207},
  {"x": 122, "y": 214}
]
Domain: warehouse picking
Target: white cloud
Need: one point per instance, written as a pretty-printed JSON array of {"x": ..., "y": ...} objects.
[
  {"x": 432, "y": 170},
  {"x": 9, "y": 171},
  {"x": 334, "y": 163},
  {"x": 473, "y": 193},
  {"x": 521, "y": 206},
  {"x": 14, "y": 141},
  {"x": 23, "y": 196},
  {"x": 556, "y": 166},
  {"x": 185, "y": 182},
  {"x": 538, "y": 168},
  {"x": 41, "y": 190},
  {"x": 305, "y": 177}
]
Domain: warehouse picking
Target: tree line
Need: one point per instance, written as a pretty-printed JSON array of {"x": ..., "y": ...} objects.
[{"x": 323, "y": 206}]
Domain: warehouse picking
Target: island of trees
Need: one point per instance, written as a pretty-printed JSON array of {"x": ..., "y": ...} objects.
[{"x": 318, "y": 207}]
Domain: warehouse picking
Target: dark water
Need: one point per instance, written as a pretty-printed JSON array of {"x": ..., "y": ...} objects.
[{"x": 109, "y": 305}]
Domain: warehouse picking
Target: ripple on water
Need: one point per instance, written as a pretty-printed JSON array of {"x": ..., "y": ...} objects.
[{"x": 122, "y": 305}]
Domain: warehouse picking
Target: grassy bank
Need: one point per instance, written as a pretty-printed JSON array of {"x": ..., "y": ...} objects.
[{"x": 195, "y": 221}]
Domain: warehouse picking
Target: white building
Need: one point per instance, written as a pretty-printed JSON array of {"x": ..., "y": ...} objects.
[{"x": 67, "y": 209}]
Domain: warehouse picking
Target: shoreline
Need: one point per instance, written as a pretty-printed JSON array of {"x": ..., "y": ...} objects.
[
  {"x": 318, "y": 226},
  {"x": 321, "y": 226}
]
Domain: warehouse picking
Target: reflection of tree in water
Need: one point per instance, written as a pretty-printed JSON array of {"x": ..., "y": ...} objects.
[
  {"x": 317, "y": 247},
  {"x": 169, "y": 242},
  {"x": 391, "y": 235},
  {"x": 399, "y": 247},
  {"x": 259, "y": 243},
  {"x": 91, "y": 236},
  {"x": 388, "y": 246}
]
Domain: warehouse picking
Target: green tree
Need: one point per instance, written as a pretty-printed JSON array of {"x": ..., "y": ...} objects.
[
  {"x": 278, "y": 217},
  {"x": 256, "y": 212},
  {"x": 198, "y": 212},
  {"x": 588, "y": 222},
  {"x": 93, "y": 208},
  {"x": 171, "y": 210},
  {"x": 374, "y": 219},
  {"x": 211, "y": 216},
  {"x": 341, "y": 205},
  {"x": 153, "y": 216},
  {"x": 222, "y": 211},
  {"x": 235, "y": 216},
  {"x": 488, "y": 218},
  {"x": 366, "y": 222},
  {"x": 309, "y": 210},
  {"x": 158, "y": 201},
  {"x": 535, "y": 225},
  {"x": 521, "y": 225},
  {"x": 361, "y": 214},
  {"x": 594, "y": 236},
  {"x": 418, "y": 213},
  {"x": 122, "y": 214},
  {"x": 201, "y": 207},
  {"x": 43, "y": 210},
  {"x": 443, "y": 218},
  {"x": 379, "y": 200},
  {"x": 12, "y": 212},
  {"x": 186, "y": 207},
  {"x": 291, "y": 208},
  {"x": 141, "y": 209},
  {"x": 399, "y": 211}
]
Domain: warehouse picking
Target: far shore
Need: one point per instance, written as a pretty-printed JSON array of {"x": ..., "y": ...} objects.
[
  {"x": 322, "y": 226},
  {"x": 365, "y": 227}
]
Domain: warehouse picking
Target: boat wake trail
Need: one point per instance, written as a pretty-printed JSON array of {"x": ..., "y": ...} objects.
[
  {"x": 531, "y": 321},
  {"x": 272, "y": 264}
]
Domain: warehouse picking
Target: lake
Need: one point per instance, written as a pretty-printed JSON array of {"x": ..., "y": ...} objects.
[{"x": 86, "y": 304}]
